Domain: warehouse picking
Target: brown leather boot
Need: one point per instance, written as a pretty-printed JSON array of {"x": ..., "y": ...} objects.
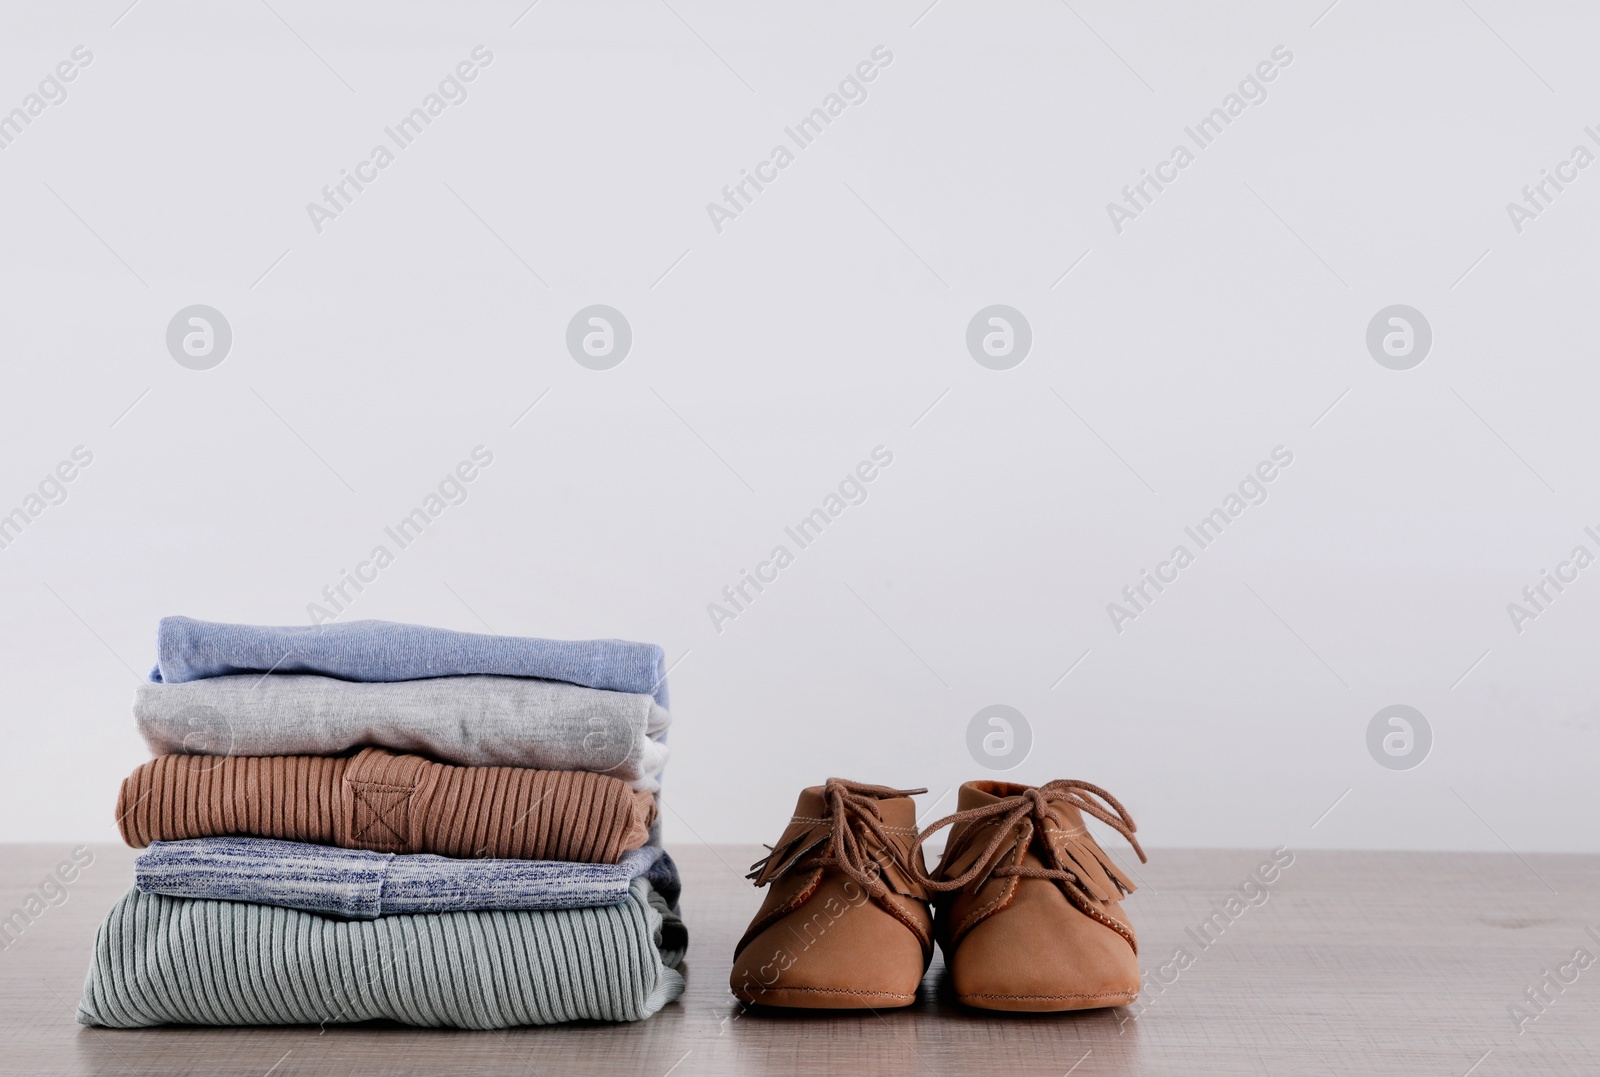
[
  {"x": 1029, "y": 912},
  {"x": 845, "y": 924}
]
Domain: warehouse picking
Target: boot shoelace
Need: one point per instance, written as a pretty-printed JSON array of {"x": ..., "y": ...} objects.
[
  {"x": 1034, "y": 803},
  {"x": 852, "y": 810}
]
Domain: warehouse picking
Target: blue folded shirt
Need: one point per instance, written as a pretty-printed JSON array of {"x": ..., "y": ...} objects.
[
  {"x": 362, "y": 885},
  {"x": 190, "y": 650}
]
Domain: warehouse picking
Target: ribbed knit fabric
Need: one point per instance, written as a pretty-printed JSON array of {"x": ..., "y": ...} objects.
[
  {"x": 386, "y": 802},
  {"x": 472, "y": 721},
  {"x": 164, "y": 960},
  {"x": 361, "y": 884},
  {"x": 188, "y": 649}
]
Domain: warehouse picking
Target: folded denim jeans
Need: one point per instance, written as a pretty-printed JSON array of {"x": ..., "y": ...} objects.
[
  {"x": 361, "y": 884},
  {"x": 388, "y": 803},
  {"x": 167, "y": 960},
  {"x": 189, "y": 650},
  {"x": 477, "y": 721}
]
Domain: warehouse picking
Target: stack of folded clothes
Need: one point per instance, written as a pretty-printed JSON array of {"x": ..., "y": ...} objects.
[{"x": 374, "y": 820}]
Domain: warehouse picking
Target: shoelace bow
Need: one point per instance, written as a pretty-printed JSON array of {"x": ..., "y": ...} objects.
[
  {"x": 852, "y": 803},
  {"x": 1033, "y": 803}
]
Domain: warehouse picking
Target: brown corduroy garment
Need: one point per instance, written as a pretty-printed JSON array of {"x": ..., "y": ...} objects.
[{"x": 388, "y": 803}]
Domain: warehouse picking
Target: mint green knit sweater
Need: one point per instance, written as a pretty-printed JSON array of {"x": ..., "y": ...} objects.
[{"x": 166, "y": 960}]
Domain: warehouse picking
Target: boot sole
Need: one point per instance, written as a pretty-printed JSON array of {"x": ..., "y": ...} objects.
[
  {"x": 824, "y": 998},
  {"x": 1047, "y": 1003}
]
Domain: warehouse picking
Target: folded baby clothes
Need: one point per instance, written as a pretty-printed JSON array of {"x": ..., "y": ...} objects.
[
  {"x": 189, "y": 650},
  {"x": 360, "y": 884},
  {"x": 478, "y": 721},
  {"x": 160, "y": 960},
  {"x": 388, "y": 803}
]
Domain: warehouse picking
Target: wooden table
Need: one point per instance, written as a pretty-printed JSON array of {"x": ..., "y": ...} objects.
[{"x": 1355, "y": 963}]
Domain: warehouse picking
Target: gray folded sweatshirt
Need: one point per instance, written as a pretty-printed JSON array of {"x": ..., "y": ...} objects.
[
  {"x": 475, "y": 721},
  {"x": 165, "y": 960}
]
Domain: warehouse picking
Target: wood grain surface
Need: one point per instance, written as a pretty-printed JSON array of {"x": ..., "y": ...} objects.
[{"x": 1353, "y": 963}]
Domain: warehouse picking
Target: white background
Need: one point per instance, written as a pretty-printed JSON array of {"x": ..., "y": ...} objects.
[{"x": 1228, "y": 319}]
